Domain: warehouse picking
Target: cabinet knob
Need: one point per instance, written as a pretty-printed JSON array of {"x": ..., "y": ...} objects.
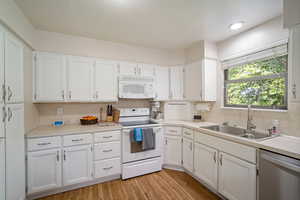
[
  {"x": 63, "y": 94},
  {"x": 221, "y": 159},
  {"x": 70, "y": 94},
  {"x": 294, "y": 91}
]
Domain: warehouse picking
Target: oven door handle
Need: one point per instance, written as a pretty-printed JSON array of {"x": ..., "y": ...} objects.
[{"x": 281, "y": 163}]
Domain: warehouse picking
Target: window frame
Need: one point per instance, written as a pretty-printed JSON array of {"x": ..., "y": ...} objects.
[{"x": 257, "y": 78}]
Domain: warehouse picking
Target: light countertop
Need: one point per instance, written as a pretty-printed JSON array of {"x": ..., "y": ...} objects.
[
  {"x": 282, "y": 144},
  {"x": 47, "y": 131}
]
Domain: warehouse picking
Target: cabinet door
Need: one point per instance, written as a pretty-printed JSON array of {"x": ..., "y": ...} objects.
[
  {"x": 44, "y": 170},
  {"x": 127, "y": 68},
  {"x": 193, "y": 81},
  {"x": 294, "y": 62},
  {"x": 50, "y": 77},
  {"x": 2, "y": 169},
  {"x": 15, "y": 162},
  {"x": 105, "y": 81},
  {"x": 209, "y": 80},
  {"x": 13, "y": 69},
  {"x": 176, "y": 81},
  {"x": 172, "y": 150},
  {"x": 77, "y": 164},
  {"x": 80, "y": 79},
  {"x": 187, "y": 154},
  {"x": 237, "y": 178},
  {"x": 205, "y": 164},
  {"x": 146, "y": 70},
  {"x": 2, "y": 89},
  {"x": 291, "y": 15},
  {"x": 162, "y": 83}
]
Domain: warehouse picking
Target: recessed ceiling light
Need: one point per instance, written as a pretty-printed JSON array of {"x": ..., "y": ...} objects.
[{"x": 236, "y": 26}]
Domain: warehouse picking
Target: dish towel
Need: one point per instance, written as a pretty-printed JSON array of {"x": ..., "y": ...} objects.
[
  {"x": 138, "y": 134},
  {"x": 148, "y": 139}
]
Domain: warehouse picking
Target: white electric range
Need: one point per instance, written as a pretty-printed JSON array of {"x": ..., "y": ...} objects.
[{"x": 139, "y": 163}]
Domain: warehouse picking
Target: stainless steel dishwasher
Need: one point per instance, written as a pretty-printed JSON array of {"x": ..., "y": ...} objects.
[{"x": 279, "y": 177}]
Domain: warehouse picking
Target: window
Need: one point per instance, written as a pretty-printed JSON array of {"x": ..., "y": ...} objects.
[{"x": 261, "y": 83}]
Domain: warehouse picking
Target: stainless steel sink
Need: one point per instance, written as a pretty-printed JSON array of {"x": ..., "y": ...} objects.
[{"x": 241, "y": 132}]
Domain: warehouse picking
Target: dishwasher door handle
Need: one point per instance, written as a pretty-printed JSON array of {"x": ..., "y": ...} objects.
[{"x": 281, "y": 163}]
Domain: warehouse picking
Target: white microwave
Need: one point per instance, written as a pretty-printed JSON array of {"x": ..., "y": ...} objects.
[{"x": 132, "y": 87}]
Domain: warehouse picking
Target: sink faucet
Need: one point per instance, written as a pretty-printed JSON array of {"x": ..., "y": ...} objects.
[{"x": 250, "y": 125}]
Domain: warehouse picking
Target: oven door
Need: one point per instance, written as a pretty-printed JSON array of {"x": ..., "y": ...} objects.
[{"x": 126, "y": 146}]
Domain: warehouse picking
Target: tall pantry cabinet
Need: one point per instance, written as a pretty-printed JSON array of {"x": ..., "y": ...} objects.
[{"x": 12, "y": 184}]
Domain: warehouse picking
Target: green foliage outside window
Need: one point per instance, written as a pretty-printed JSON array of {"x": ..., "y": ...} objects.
[{"x": 260, "y": 83}]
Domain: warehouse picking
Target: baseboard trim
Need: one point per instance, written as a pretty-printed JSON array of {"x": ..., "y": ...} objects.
[
  {"x": 173, "y": 167},
  {"x": 72, "y": 187}
]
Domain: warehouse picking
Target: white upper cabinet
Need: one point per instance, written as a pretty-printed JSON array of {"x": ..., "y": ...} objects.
[
  {"x": 188, "y": 154},
  {"x": 146, "y": 70},
  {"x": 105, "y": 81},
  {"x": 44, "y": 170},
  {"x": 13, "y": 52},
  {"x": 162, "y": 83},
  {"x": 77, "y": 164},
  {"x": 80, "y": 81},
  {"x": 201, "y": 80},
  {"x": 291, "y": 14},
  {"x": 206, "y": 165},
  {"x": 135, "y": 69},
  {"x": 209, "y": 80},
  {"x": 50, "y": 77},
  {"x": 176, "y": 83},
  {"x": 237, "y": 178},
  {"x": 193, "y": 81},
  {"x": 127, "y": 68},
  {"x": 294, "y": 64},
  {"x": 2, "y": 89}
]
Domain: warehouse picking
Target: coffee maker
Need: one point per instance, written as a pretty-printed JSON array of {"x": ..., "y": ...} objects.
[{"x": 155, "y": 110}]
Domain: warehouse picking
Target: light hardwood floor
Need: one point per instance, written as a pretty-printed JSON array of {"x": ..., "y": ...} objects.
[{"x": 164, "y": 185}]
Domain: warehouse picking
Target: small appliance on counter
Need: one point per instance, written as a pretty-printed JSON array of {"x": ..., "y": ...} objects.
[{"x": 155, "y": 110}]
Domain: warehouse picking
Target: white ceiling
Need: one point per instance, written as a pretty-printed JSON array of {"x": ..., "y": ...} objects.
[{"x": 152, "y": 23}]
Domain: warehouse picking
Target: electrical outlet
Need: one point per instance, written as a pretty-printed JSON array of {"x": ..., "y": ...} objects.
[{"x": 60, "y": 111}]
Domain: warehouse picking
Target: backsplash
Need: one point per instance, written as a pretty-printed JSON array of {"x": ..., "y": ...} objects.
[{"x": 72, "y": 112}]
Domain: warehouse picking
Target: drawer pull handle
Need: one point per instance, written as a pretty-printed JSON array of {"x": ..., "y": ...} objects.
[
  {"x": 77, "y": 140},
  {"x": 109, "y": 150},
  {"x": 187, "y": 133},
  {"x": 107, "y": 168},
  {"x": 172, "y": 131},
  {"x": 43, "y": 144},
  {"x": 106, "y": 137}
]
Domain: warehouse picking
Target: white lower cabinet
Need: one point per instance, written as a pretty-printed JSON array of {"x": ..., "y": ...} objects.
[
  {"x": 206, "y": 165},
  {"x": 187, "y": 154},
  {"x": 107, "y": 167},
  {"x": 172, "y": 150},
  {"x": 77, "y": 164},
  {"x": 237, "y": 178},
  {"x": 44, "y": 170}
]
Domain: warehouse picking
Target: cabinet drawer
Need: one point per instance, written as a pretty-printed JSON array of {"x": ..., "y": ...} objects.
[
  {"x": 107, "y": 167},
  {"x": 238, "y": 150},
  {"x": 72, "y": 140},
  {"x": 107, "y": 150},
  {"x": 188, "y": 133},
  {"x": 107, "y": 136},
  {"x": 170, "y": 130},
  {"x": 43, "y": 143}
]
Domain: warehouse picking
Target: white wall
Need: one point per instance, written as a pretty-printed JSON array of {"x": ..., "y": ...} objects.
[
  {"x": 12, "y": 16},
  {"x": 260, "y": 37},
  {"x": 75, "y": 45}
]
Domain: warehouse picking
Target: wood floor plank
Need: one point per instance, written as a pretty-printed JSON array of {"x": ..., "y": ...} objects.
[{"x": 163, "y": 185}]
